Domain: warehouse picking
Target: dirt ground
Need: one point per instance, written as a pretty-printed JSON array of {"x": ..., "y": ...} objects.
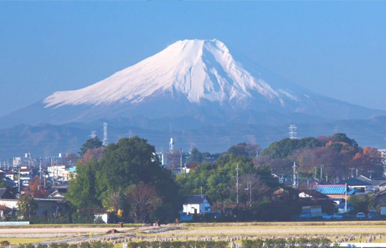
[
  {"x": 57, "y": 232},
  {"x": 198, "y": 231}
]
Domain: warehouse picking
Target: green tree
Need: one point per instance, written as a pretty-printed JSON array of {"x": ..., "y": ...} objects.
[
  {"x": 361, "y": 203},
  {"x": 133, "y": 161},
  {"x": 83, "y": 189},
  {"x": 195, "y": 156},
  {"x": 245, "y": 150},
  {"x": 90, "y": 144},
  {"x": 130, "y": 161},
  {"x": 285, "y": 147},
  {"x": 218, "y": 180},
  {"x": 27, "y": 207}
]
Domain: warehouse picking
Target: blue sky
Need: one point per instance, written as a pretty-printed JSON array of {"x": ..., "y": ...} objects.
[{"x": 335, "y": 48}]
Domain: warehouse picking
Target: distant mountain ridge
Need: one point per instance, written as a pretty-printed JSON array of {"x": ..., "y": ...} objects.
[{"x": 190, "y": 85}]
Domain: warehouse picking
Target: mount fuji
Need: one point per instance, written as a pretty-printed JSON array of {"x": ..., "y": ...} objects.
[
  {"x": 195, "y": 80},
  {"x": 190, "y": 85}
]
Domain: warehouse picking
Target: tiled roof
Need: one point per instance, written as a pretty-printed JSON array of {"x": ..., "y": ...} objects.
[
  {"x": 335, "y": 189},
  {"x": 195, "y": 199},
  {"x": 355, "y": 182}
]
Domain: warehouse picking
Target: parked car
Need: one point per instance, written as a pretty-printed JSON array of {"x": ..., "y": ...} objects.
[
  {"x": 337, "y": 217},
  {"x": 305, "y": 216},
  {"x": 326, "y": 216},
  {"x": 373, "y": 215},
  {"x": 348, "y": 216},
  {"x": 361, "y": 215}
]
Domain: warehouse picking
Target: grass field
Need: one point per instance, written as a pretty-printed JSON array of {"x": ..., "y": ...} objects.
[{"x": 21, "y": 241}]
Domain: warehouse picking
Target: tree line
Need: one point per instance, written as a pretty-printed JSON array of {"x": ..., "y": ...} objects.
[{"x": 128, "y": 181}]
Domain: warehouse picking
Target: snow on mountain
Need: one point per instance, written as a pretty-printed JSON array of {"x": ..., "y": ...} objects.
[
  {"x": 191, "y": 83},
  {"x": 196, "y": 69}
]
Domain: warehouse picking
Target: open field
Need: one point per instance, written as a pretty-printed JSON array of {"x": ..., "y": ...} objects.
[
  {"x": 20, "y": 241},
  {"x": 361, "y": 231}
]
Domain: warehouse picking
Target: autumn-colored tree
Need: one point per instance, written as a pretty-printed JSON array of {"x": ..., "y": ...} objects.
[
  {"x": 143, "y": 199},
  {"x": 115, "y": 200},
  {"x": 35, "y": 189}
]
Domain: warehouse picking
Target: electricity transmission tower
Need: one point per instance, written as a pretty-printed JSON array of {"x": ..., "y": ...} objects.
[
  {"x": 104, "y": 143},
  {"x": 292, "y": 131}
]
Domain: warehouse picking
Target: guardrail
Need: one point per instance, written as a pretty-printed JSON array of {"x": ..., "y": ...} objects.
[{"x": 13, "y": 223}]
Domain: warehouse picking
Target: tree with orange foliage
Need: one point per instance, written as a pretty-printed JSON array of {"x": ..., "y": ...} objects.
[{"x": 35, "y": 189}]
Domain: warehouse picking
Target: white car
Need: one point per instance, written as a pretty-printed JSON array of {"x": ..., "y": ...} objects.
[{"x": 361, "y": 215}]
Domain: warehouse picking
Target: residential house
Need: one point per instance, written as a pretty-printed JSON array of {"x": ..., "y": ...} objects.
[
  {"x": 377, "y": 184},
  {"x": 6, "y": 194},
  {"x": 285, "y": 194},
  {"x": 334, "y": 190},
  {"x": 359, "y": 186},
  {"x": 310, "y": 197},
  {"x": 380, "y": 198},
  {"x": 51, "y": 207},
  {"x": 197, "y": 204}
]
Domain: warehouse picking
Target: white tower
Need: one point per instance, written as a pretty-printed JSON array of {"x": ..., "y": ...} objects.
[
  {"x": 171, "y": 144},
  {"x": 104, "y": 143}
]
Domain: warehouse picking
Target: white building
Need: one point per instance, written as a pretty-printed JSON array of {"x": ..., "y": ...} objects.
[
  {"x": 59, "y": 172},
  {"x": 197, "y": 204}
]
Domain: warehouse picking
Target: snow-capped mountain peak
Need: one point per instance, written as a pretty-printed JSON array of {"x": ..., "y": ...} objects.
[{"x": 196, "y": 69}]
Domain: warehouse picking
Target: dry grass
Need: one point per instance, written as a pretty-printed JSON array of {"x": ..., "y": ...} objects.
[
  {"x": 20, "y": 241},
  {"x": 69, "y": 225}
]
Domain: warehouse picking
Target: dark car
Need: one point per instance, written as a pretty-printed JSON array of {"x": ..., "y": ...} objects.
[
  {"x": 348, "y": 216},
  {"x": 373, "y": 215}
]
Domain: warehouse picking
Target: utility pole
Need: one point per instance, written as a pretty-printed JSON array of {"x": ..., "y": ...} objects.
[
  {"x": 180, "y": 159},
  {"x": 371, "y": 173},
  {"x": 345, "y": 201},
  {"x": 237, "y": 184},
  {"x": 352, "y": 171},
  {"x": 295, "y": 177},
  {"x": 40, "y": 169},
  {"x": 19, "y": 180},
  {"x": 250, "y": 194},
  {"x": 321, "y": 172}
]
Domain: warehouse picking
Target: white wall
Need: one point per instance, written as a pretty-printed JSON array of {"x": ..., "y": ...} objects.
[
  {"x": 9, "y": 203},
  {"x": 201, "y": 208}
]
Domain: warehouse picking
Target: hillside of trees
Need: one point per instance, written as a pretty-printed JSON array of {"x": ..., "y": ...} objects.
[{"x": 337, "y": 155}]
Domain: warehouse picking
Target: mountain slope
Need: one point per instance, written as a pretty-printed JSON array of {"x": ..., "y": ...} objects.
[{"x": 195, "y": 80}]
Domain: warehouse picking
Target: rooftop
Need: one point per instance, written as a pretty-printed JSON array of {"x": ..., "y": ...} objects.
[
  {"x": 333, "y": 189},
  {"x": 355, "y": 182}
]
